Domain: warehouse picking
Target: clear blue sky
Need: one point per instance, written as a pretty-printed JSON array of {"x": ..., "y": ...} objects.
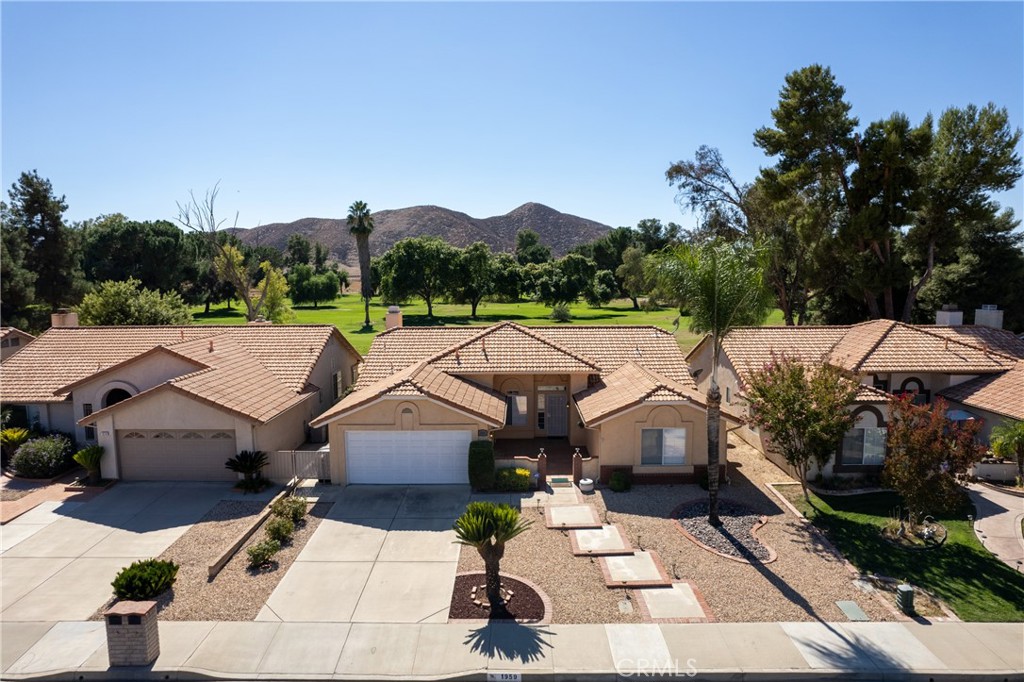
[{"x": 299, "y": 109}]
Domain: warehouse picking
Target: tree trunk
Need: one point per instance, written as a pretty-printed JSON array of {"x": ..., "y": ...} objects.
[
  {"x": 491, "y": 554},
  {"x": 430, "y": 307},
  {"x": 365, "y": 275},
  {"x": 207, "y": 307},
  {"x": 473, "y": 304},
  {"x": 872, "y": 302},
  {"x": 636, "y": 303},
  {"x": 714, "y": 412},
  {"x": 890, "y": 307},
  {"x": 366, "y": 307},
  {"x": 1020, "y": 466}
]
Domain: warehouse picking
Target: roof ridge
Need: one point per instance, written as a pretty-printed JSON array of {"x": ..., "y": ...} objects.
[
  {"x": 988, "y": 350},
  {"x": 518, "y": 327},
  {"x": 874, "y": 346}
]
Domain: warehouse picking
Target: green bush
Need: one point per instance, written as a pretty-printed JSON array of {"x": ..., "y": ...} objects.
[
  {"x": 43, "y": 457},
  {"x": 560, "y": 313},
  {"x": 280, "y": 528},
  {"x": 620, "y": 481},
  {"x": 261, "y": 552},
  {"x": 481, "y": 464},
  {"x": 11, "y": 439},
  {"x": 293, "y": 508},
  {"x": 512, "y": 479},
  {"x": 145, "y": 579}
]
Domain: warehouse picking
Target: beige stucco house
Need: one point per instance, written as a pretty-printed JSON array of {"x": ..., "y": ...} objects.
[
  {"x": 173, "y": 403},
  {"x": 619, "y": 395},
  {"x": 974, "y": 367},
  {"x": 12, "y": 340}
]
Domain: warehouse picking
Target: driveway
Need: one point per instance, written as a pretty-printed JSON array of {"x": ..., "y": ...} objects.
[
  {"x": 998, "y": 523},
  {"x": 383, "y": 554},
  {"x": 59, "y": 559}
]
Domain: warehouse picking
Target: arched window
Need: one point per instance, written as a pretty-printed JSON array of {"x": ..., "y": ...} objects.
[
  {"x": 192, "y": 435},
  {"x": 916, "y": 387},
  {"x": 114, "y": 396},
  {"x": 220, "y": 435},
  {"x": 164, "y": 434},
  {"x": 134, "y": 434}
]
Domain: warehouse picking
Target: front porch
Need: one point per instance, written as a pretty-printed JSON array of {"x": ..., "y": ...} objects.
[{"x": 558, "y": 451}]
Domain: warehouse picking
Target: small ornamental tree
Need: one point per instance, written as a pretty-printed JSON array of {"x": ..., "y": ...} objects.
[
  {"x": 487, "y": 527},
  {"x": 926, "y": 454},
  {"x": 1008, "y": 440},
  {"x": 803, "y": 409}
]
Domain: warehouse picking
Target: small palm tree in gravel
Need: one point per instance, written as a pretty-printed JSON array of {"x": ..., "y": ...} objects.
[{"x": 487, "y": 527}]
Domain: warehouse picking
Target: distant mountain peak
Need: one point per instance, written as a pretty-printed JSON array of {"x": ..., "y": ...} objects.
[{"x": 559, "y": 230}]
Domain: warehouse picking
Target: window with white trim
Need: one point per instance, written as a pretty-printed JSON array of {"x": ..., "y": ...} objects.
[
  {"x": 517, "y": 409},
  {"x": 90, "y": 431},
  {"x": 864, "y": 446},
  {"x": 337, "y": 385},
  {"x": 662, "y": 447}
]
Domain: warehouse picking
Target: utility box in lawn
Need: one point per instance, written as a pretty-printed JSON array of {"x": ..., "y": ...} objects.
[
  {"x": 132, "y": 634},
  {"x": 905, "y": 599}
]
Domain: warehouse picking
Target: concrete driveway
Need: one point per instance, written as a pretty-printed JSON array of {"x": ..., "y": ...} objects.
[
  {"x": 383, "y": 554},
  {"x": 58, "y": 560}
]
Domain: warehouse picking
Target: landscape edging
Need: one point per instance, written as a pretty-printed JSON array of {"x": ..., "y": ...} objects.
[{"x": 213, "y": 569}]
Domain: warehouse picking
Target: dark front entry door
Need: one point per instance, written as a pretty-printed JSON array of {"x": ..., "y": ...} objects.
[{"x": 556, "y": 415}]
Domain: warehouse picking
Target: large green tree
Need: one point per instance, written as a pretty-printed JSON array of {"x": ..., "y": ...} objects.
[
  {"x": 53, "y": 251},
  {"x": 722, "y": 286},
  {"x": 17, "y": 282},
  {"x": 360, "y": 225},
  {"x": 418, "y": 266},
  {"x": 128, "y": 302},
  {"x": 473, "y": 275},
  {"x": 298, "y": 251},
  {"x": 115, "y": 248},
  {"x": 530, "y": 249},
  {"x": 305, "y": 285}
]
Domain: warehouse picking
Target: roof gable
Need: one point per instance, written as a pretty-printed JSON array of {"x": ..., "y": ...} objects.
[
  {"x": 1000, "y": 393},
  {"x": 510, "y": 348}
]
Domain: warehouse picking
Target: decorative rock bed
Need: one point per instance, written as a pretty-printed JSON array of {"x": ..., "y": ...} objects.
[
  {"x": 734, "y": 539},
  {"x": 525, "y": 602}
]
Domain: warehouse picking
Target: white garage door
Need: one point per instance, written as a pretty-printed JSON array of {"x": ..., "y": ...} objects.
[
  {"x": 176, "y": 455},
  {"x": 407, "y": 456}
]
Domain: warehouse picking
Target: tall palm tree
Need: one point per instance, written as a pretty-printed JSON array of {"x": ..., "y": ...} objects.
[
  {"x": 1008, "y": 440},
  {"x": 487, "y": 527},
  {"x": 722, "y": 286},
  {"x": 360, "y": 224}
]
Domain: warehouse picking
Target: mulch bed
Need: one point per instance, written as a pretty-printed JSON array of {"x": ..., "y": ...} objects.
[
  {"x": 734, "y": 537},
  {"x": 525, "y": 604}
]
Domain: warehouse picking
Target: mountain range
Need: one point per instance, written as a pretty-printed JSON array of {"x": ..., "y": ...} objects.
[{"x": 558, "y": 230}]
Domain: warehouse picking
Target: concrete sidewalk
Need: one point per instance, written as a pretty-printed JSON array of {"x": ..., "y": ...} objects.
[
  {"x": 998, "y": 523},
  {"x": 365, "y": 651}
]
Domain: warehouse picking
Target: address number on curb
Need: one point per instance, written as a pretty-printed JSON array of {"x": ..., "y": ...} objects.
[{"x": 504, "y": 677}]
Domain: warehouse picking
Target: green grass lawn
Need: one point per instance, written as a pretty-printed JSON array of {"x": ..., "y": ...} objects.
[
  {"x": 346, "y": 313},
  {"x": 975, "y": 584}
]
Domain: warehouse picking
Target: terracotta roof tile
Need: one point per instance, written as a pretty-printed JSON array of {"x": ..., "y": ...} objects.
[
  {"x": 10, "y": 331},
  {"x": 750, "y": 348},
  {"x": 999, "y": 340},
  {"x": 1000, "y": 393},
  {"x": 509, "y": 348}
]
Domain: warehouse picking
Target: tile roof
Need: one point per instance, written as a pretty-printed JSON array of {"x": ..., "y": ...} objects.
[
  {"x": 10, "y": 331},
  {"x": 254, "y": 370},
  {"x": 427, "y": 381},
  {"x": 751, "y": 348},
  {"x": 510, "y": 348},
  {"x": 906, "y": 348},
  {"x": 1000, "y": 340},
  {"x": 608, "y": 347},
  {"x": 1000, "y": 393},
  {"x": 629, "y": 386}
]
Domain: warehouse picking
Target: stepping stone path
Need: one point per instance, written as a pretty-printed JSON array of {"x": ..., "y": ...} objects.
[
  {"x": 603, "y": 541},
  {"x": 659, "y": 598}
]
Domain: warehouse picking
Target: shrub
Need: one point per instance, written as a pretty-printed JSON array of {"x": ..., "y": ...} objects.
[
  {"x": 11, "y": 439},
  {"x": 261, "y": 552},
  {"x": 43, "y": 457},
  {"x": 145, "y": 579},
  {"x": 89, "y": 459},
  {"x": 512, "y": 479},
  {"x": 481, "y": 464},
  {"x": 620, "y": 481},
  {"x": 248, "y": 463},
  {"x": 560, "y": 313},
  {"x": 292, "y": 508},
  {"x": 280, "y": 528}
]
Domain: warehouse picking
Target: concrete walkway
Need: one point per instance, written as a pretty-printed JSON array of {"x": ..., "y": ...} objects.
[
  {"x": 41, "y": 492},
  {"x": 344, "y": 651},
  {"x": 998, "y": 523}
]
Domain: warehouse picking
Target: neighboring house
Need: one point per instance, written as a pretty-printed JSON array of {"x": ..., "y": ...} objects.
[
  {"x": 995, "y": 398},
  {"x": 12, "y": 340},
  {"x": 958, "y": 362},
  {"x": 173, "y": 403},
  {"x": 620, "y": 394}
]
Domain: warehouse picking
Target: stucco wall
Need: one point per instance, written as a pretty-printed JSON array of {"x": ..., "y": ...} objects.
[
  {"x": 618, "y": 440},
  {"x": 990, "y": 420},
  {"x": 286, "y": 431},
  {"x": 387, "y": 415},
  {"x": 53, "y": 417},
  {"x": 527, "y": 385},
  {"x": 334, "y": 358}
]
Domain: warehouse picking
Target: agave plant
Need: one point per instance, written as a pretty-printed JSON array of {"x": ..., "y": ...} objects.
[
  {"x": 11, "y": 439},
  {"x": 89, "y": 459},
  {"x": 487, "y": 527},
  {"x": 248, "y": 463}
]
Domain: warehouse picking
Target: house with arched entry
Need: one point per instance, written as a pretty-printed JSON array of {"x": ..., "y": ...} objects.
[
  {"x": 974, "y": 367},
  {"x": 175, "y": 402}
]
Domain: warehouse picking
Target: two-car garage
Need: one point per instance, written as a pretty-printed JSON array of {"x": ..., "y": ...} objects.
[
  {"x": 175, "y": 455},
  {"x": 407, "y": 457}
]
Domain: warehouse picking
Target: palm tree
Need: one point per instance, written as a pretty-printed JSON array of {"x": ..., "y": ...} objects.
[
  {"x": 722, "y": 286},
  {"x": 1008, "y": 440},
  {"x": 487, "y": 527},
  {"x": 360, "y": 224}
]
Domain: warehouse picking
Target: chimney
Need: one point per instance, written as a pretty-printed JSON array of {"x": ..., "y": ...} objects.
[
  {"x": 394, "y": 317},
  {"x": 949, "y": 316},
  {"x": 66, "y": 318},
  {"x": 989, "y": 316}
]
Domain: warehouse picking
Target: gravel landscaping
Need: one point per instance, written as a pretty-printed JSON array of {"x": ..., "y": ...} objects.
[
  {"x": 525, "y": 603},
  {"x": 236, "y": 594},
  {"x": 734, "y": 536},
  {"x": 803, "y": 584}
]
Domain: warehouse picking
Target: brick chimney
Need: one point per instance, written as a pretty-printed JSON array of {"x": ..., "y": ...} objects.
[
  {"x": 393, "y": 318},
  {"x": 949, "y": 316},
  {"x": 989, "y": 316},
  {"x": 64, "y": 318}
]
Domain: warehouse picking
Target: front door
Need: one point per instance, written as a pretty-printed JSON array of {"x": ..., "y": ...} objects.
[{"x": 556, "y": 415}]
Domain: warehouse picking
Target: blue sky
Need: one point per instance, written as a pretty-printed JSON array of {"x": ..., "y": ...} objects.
[{"x": 300, "y": 109}]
